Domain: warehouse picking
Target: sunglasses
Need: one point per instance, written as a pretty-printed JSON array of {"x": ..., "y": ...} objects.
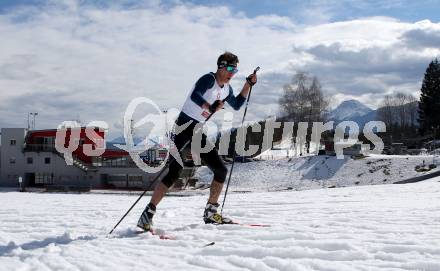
[{"x": 232, "y": 69}]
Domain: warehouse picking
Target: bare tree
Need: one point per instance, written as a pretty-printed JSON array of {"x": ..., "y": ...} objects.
[
  {"x": 318, "y": 103},
  {"x": 412, "y": 110},
  {"x": 401, "y": 100},
  {"x": 399, "y": 113},
  {"x": 303, "y": 99},
  {"x": 385, "y": 112}
]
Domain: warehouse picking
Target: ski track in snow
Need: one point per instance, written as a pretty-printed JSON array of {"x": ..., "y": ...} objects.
[{"x": 386, "y": 227}]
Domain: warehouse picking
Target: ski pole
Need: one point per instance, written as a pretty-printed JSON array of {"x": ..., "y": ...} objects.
[
  {"x": 234, "y": 153},
  {"x": 152, "y": 183}
]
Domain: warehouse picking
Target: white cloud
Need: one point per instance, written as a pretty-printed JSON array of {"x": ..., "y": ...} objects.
[{"x": 62, "y": 60}]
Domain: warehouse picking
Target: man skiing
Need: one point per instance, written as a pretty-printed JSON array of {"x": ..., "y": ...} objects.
[{"x": 207, "y": 96}]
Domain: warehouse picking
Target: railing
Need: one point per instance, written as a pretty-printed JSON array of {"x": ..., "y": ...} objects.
[{"x": 80, "y": 164}]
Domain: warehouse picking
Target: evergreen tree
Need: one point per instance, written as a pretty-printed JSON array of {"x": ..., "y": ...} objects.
[{"x": 429, "y": 106}]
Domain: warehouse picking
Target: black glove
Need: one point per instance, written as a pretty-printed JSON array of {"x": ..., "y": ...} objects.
[
  {"x": 248, "y": 79},
  {"x": 214, "y": 105}
]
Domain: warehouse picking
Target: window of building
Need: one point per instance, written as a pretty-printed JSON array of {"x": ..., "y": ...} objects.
[
  {"x": 43, "y": 178},
  {"x": 12, "y": 160},
  {"x": 30, "y": 160},
  {"x": 135, "y": 181},
  {"x": 47, "y": 160},
  {"x": 13, "y": 142},
  {"x": 13, "y": 177},
  {"x": 48, "y": 140},
  {"x": 115, "y": 162},
  {"x": 97, "y": 161}
]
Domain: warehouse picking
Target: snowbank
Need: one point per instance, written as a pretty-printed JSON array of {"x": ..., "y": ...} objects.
[{"x": 324, "y": 171}]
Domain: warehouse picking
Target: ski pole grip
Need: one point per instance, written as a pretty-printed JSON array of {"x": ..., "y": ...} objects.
[{"x": 248, "y": 79}]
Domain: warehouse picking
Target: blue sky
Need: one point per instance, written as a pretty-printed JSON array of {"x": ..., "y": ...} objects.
[
  {"x": 337, "y": 10},
  {"x": 70, "y": 59},
  {"x": 405, "y": 10}
]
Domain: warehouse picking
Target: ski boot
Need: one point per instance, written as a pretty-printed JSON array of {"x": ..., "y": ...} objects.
[
  {"x": 145, "y": 222},
  {"x": 212, "y": 217}
]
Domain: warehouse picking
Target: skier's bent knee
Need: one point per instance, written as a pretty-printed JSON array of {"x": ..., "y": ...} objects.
[
  {"x": 220, "y": 174},
  {"x": 168, "y": 182}
]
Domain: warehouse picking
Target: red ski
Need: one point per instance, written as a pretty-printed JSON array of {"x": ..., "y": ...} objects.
[
  {"x": 161, "y": 236},
  {"x": 244, "y": 224},
  {"x": 250, "y": 225}
]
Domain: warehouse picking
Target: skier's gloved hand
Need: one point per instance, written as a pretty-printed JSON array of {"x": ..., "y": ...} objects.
[
  {"x": 252, "y": 79},
  {"x": 215, "y": 106}
]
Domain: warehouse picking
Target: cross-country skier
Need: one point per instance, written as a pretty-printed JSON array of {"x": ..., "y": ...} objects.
[{"x": 206, "y": 98}]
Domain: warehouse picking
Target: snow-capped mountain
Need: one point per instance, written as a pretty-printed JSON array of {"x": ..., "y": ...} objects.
[
  {"x": 349, "y": 110},
  {"x": 121, "y": 140},
  {"x": 152, "y": 141}
]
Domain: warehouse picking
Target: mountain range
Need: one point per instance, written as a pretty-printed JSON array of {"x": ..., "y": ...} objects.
[
  {"x": 352, "y": 110},
  {"x": 348, "y": 110}
]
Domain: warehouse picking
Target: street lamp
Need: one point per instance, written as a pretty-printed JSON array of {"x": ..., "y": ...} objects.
[{"x": 166, "y": 125}]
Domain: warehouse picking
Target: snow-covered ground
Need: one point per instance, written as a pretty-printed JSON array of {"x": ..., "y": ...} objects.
[
  {"x": 382, "y": 227},
  {"x": 324, "y": 171}
]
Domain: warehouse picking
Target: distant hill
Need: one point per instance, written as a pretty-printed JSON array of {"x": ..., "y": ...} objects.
[
  {"x": 362, "y": 120},
  {"x": 349, "y": 110},
  {"x": 356, "y": 111}
]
